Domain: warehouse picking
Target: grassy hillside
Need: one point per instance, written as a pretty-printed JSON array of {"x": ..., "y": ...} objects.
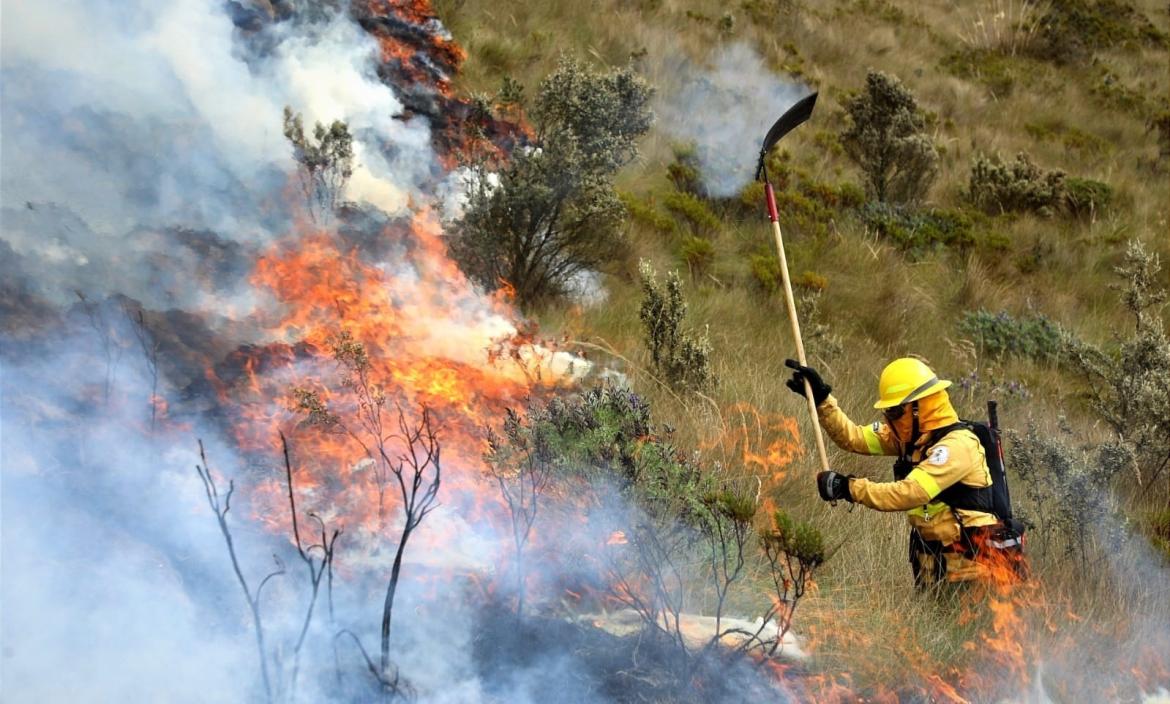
[{"x": 1084, "y": 109}]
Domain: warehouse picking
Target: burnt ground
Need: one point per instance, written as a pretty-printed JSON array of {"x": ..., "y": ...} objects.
[{"x": 553, "y": 659}]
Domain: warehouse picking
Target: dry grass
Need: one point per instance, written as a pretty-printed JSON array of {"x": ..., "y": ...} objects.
[{"x": 877, "y": 301}]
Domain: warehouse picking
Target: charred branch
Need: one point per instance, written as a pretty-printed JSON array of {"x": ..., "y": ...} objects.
[
  {"x": 317, "y": 568},
  {"x": 149, "y": 346},
  {"x": 220, "y": 505},
  {"x": 392, "y": 686},
  {"x": 418, "y": 472}
]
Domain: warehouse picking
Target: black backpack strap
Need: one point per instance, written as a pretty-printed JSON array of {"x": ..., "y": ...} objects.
[
  {"x": 958, "y": 495},
  {"x": 939, "y": 433}
]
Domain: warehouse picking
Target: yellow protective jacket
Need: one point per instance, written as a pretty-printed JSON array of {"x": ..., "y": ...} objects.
[{"x": 957, "y": 457}]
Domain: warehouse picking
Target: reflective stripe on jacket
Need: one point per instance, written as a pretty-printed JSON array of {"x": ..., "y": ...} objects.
[{"x": 957, "y": 457}]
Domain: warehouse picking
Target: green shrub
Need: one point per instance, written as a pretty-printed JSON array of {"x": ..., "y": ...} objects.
[
  {"x": 887, "y": 138},
  {"x": 1086, "y": 197},
  {"x": 698, "y": 253},
  {"x": 683, "y": 361},
  {"x": 324, "y": 162},
  {"x": 1066, "y": 486},
  {"x": 1035, "y": 337},
  {"x": 994, "y": 240},
  {"x": 645, "y": 214},
  {"x": 1072, "y": 138},
  {"x": 990, "y": 68},
  {"x": 828, "y": 142},
  {"x": 684, "y": 172},
  {"x": 1157, "y": 525},
  {"x": 831, "y": 196},
  {"x": 799, "y": 539},
  {"x": 500, "y": 53},
  {"x": 751, "y": 198},
  {"x": 1160, "y": 124},
  {"x": 1082, "y": 141},
  {"x": 1072, "y": 30},
  {"x": 765, "y": 270},
  {"x": 997, "y": 187},
  {"x": 693, "y": 210},
  {"x": 850, "y": 195},
  {"x": 918, "y": 232},
  {"x": 1114, "y": 94}
]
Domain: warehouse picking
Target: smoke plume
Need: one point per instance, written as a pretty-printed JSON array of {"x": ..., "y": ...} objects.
[{"x": 725, "y": 109}]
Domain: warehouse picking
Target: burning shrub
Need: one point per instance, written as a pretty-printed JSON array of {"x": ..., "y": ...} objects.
[
  {"x": 324, "y": 162},
  {"x": 405, "y": 455},
  {"x": 520, "y": 461},
  {"x": 684, "y": 173},
  {"x": 794, "y": 551},
  {"x": 887, "y": 139},
  {"x": 552, "y": 213},
  {"x": 683, "y": 361},
  {"x": 681, "y": 528}
]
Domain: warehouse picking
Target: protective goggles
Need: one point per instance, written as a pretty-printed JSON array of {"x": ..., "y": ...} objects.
[{"x": 893, "y": 413}]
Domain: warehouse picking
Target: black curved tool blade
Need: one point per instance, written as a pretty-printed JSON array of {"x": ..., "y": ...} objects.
[{"x": 789, "y": 120}]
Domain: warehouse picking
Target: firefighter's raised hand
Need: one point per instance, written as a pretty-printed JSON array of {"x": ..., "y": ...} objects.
[
  {"x": 833, "y": 486},
  {"x": 800, "y": 374}
]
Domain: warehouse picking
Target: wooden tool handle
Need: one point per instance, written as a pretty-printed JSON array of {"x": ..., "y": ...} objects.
[{"x": 788, "y": 299}]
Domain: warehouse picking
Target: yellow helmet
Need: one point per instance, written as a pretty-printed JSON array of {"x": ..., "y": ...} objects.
[{"x": 905, "y": 380}]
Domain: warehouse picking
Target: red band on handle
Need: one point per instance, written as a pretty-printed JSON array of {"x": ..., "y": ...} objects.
[{"x": 773, "y": 214}]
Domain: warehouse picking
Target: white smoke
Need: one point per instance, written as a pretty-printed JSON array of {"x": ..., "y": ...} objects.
[
  {"x": 125, "y": 115},
  {"x": 108, "y": 562},
  {"x": 725, "y": 109}
]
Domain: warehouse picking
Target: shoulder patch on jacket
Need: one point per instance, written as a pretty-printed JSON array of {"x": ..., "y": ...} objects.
[{"x": 939, "y": 455}]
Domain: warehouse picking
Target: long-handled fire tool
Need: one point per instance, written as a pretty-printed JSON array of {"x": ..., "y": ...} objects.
[{"x": 795, "y": 115}]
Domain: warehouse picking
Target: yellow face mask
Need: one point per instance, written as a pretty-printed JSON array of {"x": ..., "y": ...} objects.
[{"x": 934, "y": 411}]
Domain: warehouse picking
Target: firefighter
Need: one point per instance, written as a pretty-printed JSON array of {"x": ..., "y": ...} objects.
[{"x": 941, "y": 477}]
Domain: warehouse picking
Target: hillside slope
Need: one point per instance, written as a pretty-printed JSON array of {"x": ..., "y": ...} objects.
[{"x": 1078, "y": 86}]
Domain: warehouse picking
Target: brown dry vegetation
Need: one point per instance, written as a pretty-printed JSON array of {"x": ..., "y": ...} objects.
[{"x": 878, "y": 302}]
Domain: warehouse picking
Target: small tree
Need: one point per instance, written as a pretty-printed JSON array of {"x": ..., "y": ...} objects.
[
  {"x": 682, "y": 360},
  {"x": 324, "y": 162},
  {"x": 552, "y": 212},
  {"x": 1130, "y": 387},
  {"x": 887, "y": 139},
  {"x": 406, "y": 456}
]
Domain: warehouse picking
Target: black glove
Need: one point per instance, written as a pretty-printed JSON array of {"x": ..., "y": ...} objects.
[
  {"x": 820, "y": 390},
  {"x": 833, "y": 486}
]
